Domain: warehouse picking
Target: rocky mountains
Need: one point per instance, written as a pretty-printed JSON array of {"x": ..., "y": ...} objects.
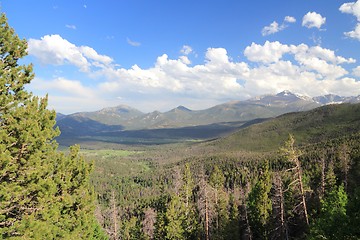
[{"x": 223, "y": 118}]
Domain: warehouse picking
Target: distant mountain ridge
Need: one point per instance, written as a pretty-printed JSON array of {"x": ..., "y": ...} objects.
[
  {"x": 127, "y": 118},
  {"x": 335, "y": 99},
  {"x": 309, "y": 127}
]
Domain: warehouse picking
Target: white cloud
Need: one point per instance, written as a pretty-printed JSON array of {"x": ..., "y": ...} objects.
[
  {"x": 133, "y": 43},
  {"x": 63, "y": 86},
  {"x": 274, "y": 27},
  {"x": 356, "y": 71},
  {"x": 271, "y": 29},
  {"x": 290, "y": 19},
  {"x": 310, "y": 70},
  {"x": 313, "y": 19},
  {"x": 351, "y": 8},
  {"x": 267, "y": 53},
  {"x": 185, "y": 60},
  {"x": 68, "y": 96},
  {"x": 53, "y": 49},
  {"x": 354, "y": 34},
  {"x": 71, "y": 26},
  {"x": 90, "y": 53},
  {"x": 354, "y": 9},
  {"x": 186, "y": 50},
  {"x": 216, "y": 77}
]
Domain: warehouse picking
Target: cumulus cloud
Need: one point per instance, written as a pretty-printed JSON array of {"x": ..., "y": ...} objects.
[
  {"x": 90, "y": 53},
  {"x": 355, "y": 33},
  {"x": 267, "y": 53},
  {"x": 53, "y": 49},
  {"x": 310, "y": 70},
  {"x": 356, "y": 71},
  {"x": 217, "y": 76},
  {"x": 354, "y": 9},
  {"x": 186, "y": 50},
  {"x": 271, "y": 29},
  {"x": 313, "y": 19},
  {"x": 351, "y": 8},
  {"x": 323, "y": 61},
  {"x": 290, "y": 19},
  {"x": 274, "y": 27}
]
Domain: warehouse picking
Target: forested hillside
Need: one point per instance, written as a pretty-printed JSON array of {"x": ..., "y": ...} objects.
[
  {"x": 296, "y": 176},
  {"x": 288, "y": 189}
]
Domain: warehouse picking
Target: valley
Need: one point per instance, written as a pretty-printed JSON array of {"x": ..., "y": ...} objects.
[
  {"x": 126, "y": 125},
  {"x": 168, "y": 182},
  {"x": 240, "y": 157}
]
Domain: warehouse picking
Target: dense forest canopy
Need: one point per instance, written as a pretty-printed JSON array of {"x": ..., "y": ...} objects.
[
  {"x": 293, "y": 192},
  {"x": 258, "y": 183}
]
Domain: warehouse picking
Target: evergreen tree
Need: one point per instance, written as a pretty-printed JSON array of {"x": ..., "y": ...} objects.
[
  {"x": 190, "y": 223},
  {"x": 232, "y": 230},
  {"x": 44, "y": 194},
  {"x": 216, "y": 181},
  {"x": 175, "y": 216},
  {"x": 259, "y": 204},
  {"x": 333, "y": 219},
  {"x": 354, "y": 214},
  {"x": 132, "y": 229}
]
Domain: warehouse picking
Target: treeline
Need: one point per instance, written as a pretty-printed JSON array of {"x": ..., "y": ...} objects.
[{"x": 298, "y": 193}]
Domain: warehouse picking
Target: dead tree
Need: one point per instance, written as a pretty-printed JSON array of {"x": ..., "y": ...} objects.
[
  {"x": 281, "y": 230},
  {"x": 292, "y": 154}
]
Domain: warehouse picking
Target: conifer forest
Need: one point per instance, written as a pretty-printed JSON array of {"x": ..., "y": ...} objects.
[{"x": 296, "y": 176}]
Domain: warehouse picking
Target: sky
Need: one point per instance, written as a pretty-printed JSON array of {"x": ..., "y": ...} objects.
[{"x": 159, "y": 54}]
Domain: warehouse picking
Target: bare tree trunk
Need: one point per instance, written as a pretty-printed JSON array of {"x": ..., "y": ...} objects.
[
  {"x": 114, "y": 215},
  {"x": 205, "y": 206},
  {"x": 299, "y": 173},
  {"x": 322, "y": 176},
  {"x": 206, "y": 219},
  {"x": 345, "y": 163},
  {"x": 292, "y": 155},
  {"x": 246, "y": 230},
  {"x": 281, "y": 231}
]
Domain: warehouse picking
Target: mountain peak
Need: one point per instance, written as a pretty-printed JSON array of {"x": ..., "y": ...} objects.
[
  {"x": 119, "y": 109},
  {"x": 285, "y": 93},
  {"x": 182, "y": 108}
]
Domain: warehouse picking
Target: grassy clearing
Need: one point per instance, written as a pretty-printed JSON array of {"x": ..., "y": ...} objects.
[
  {"x": 112, "y": 163},
  {"x": 108, "y": 153}
]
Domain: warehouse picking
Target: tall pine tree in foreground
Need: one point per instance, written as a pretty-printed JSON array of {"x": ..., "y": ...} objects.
[{"x": 44, "y": 194}]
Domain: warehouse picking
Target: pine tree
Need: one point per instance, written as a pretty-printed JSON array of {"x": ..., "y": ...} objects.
[
  {"x": 280, "y": 226},
  {"x": 259, "y": 204},
  {"x": 175, "y": 216},
  {"x": 333, "y": 218},
  {"x": 43, "y": 193},
  {"x": 216, "y": 181},
  {"x": 205, "y": 205},
  {"x": 232, "y": 231},
  {"x": 190, "y": 223}
]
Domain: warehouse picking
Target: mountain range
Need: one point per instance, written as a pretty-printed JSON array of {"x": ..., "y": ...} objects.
[{"x": 126, "y": 121}]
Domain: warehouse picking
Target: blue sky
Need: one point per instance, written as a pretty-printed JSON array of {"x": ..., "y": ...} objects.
[{"x": 156, "y": 55}]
